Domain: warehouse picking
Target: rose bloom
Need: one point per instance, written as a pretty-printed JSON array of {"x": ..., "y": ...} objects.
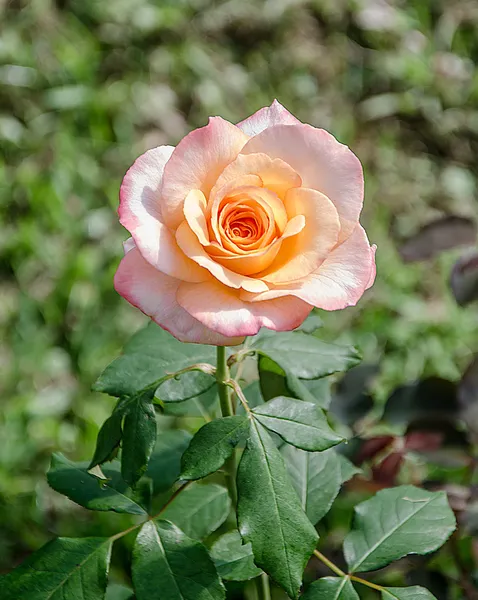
[{"x": 244, "y": 226}]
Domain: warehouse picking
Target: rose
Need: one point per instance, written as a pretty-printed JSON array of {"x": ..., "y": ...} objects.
[{"x": 244, "y": 226}]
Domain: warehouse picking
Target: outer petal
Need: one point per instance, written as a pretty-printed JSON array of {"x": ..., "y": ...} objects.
[
  {"x": 140, "y": 213},
  {"x": 196, "y": 163},
  {"x": 323, "y": 164},
  {"x": 275, "y": 114},
  {"x": 339, "y": 282},
  {"x": 219, "y": 307},
  {"x": 155, "y": 294}
]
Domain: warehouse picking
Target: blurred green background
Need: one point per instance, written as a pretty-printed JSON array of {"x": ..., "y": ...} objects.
[{"x": 88, "y": 85}]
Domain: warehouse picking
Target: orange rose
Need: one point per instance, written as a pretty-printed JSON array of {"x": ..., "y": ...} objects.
[{"x": 244, "y": 226}]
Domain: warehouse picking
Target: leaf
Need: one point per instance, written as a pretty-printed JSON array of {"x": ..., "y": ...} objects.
[
  {"x": 151, "y": 354},
  {"x": 347, "y": 469},
  {"x": 203, "y": 405},
  {"x": 352, "y": 401},
  {"x": 299, "y": 423},
  {"x": 269, "y": 513},
  {"x": 233, "y": 559},
  {"x": 199, "y": 510},
  {"x": 73, "y": 480},
  {"x": 63, "y": 568},
  {"x": 274, "y": 381},
  {"x": 118, "y": 592},
  {"x": 184, "y": 387},
  {"x": 396, "y": 522},
  {"x": 109, "y": 438},
  {"x": 439, "y": 235},
  {"x": 212, "y": 445},
  {"x": 464, "y": 278},
  {"x": 304, "y": 355},
  {"x": 165, "y": 462},
  {"x": 331, "y": 588},
  {"x": 139, "y": 437},
  {"x": 409, "y": 593},
  {"x": 316, "y": 477},
  {"x": 311, "y": 324},
  {"x": 168, "y": 565}
]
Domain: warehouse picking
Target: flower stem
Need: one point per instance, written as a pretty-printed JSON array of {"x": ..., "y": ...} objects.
[
  {"x": 262, "y": 587},
  {"x": 329, "y": 564},
  {"x": 224, "y": 391}
]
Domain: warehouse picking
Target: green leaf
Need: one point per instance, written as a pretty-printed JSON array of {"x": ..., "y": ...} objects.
[
  {"x": 347, "y": 468},
  {"x": 299, "y": 423},
  {"x": 199, "y": 510},
  {"x": 409, "y": 593},
  {"x": 311, "y": 324},
  {"x": 233, "y": 559},
  {"x": 151, "y": 354},
  {"x": 204, "y": 405},
  {"x": 165, "y": 463},
  {"x": 269, "y": 513},
  {"x": 63, "y": 568},
  {"x": 109, "y": 438},
  {"x": 184, "y": 387},
  {"x": 331, "y": 588},
  {"x": 316, "y": 477},
  {"x": 168, "y": 565},
  {"x": 274, "y": 381},
  {"x": 396, "y": 522},
  {"x": 304, "y": 355},
  {"x": 74, "y": 481},
  {"x": 212, "y": 445},
  {"x": 139, "y": 437},
  {"x": 115, "y": 591}
]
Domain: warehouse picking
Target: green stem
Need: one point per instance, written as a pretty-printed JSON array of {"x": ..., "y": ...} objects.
[
  {"x": 262, "y": 587},
  {"x": 224, "y": 391}
]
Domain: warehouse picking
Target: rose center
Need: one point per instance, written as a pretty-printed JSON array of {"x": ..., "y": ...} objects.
[{"x": 244, "y": 223}]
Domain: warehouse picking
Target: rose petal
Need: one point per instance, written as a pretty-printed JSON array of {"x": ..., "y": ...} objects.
[
  {"x": 276, "y": 175},
  {"x": 139, "y": 212},
  {"x": 196, "y": 163},
  {"x": 219, "y": 307},
  {"x": 154, "y": 293},
  {"x": 339, "y": 282},
  {"x": 275, "y": 114},
  {"x": 305, "y": 252},
  {"x": 323, "y": 164},
  {"x": 256, "y": 261},
  {"x": 189, "y": 244}
]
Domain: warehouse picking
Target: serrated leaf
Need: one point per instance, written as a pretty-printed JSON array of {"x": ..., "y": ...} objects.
[
  {"x": 347, "y": 468},
  {"x": 199, "y": 510},
  {"x": 409, "y": 593},
  {"x": 311, "y": 324},
  {"x": 149, "y": 355},
  {"x": 165, "y": 461},
  {"x": 118, "y": 592},
  {"x": 396, "y": 522},
  {"x": 233, "y": 559},
  {"x": 304, "y": 355},
  {"x": 109, "y": 438},
  {"x": 204, "y": 405},
  {"x": 274, "y": 381},
  {"x": 316, "y": 477},
  {"x": 184, "y": 387},
  {"x": 331, "y": 588},
  {"x": 212, "y": 445},
  {"x": 63, "y": 568},
  {"x": 73, "y": 480},
  {"x": 299, "y": 423},
  {"x": 269, "y": 513},
  {"x": 139, "y": 438},
  {"x": 168, "y": 565}
]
